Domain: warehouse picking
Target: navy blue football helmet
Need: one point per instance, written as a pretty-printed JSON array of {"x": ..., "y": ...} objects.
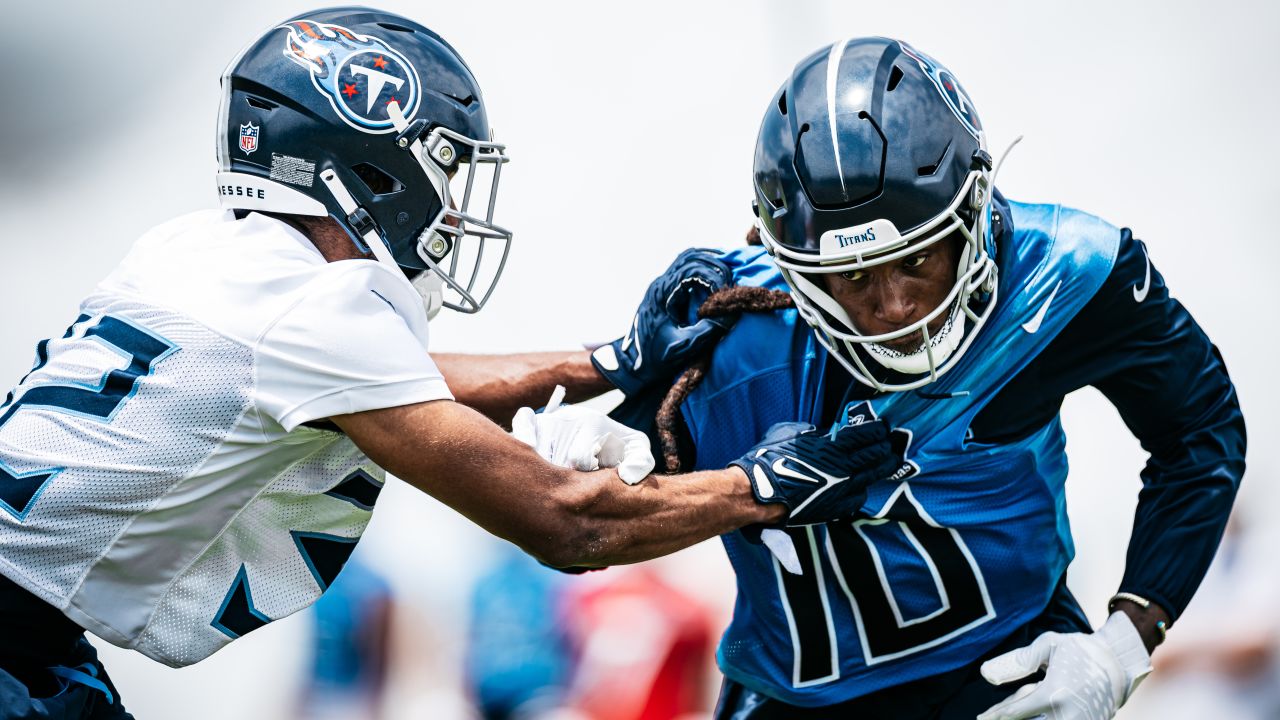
[
  {"x": 868, "y": 153},
  {"x": 374, "y": 120}
]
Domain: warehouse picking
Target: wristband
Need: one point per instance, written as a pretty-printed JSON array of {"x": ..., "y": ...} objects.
[{"x": 1161, "y": 626}]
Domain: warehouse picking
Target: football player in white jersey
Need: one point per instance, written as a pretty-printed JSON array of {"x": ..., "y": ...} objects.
[{"x": 200, "y": 450}]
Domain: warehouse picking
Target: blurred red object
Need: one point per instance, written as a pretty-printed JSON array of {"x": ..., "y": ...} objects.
[{"x": 644, "y": 648}]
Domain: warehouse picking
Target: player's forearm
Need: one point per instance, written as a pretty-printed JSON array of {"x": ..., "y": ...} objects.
[
  {"x": 1189, "y": 486},
  {"x": 563, "y": 517},
  {"x": 615, "y": 523},
  {"x": 466, "y": 462},
  {"x": 498, "y": 385}
]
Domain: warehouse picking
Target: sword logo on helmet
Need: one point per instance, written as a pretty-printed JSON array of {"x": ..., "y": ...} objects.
[
  {"x": 947, "y": 85},
  {"x": 359, "y": 74}
]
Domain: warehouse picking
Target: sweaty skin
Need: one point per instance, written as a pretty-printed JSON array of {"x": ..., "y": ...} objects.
[
  {"x": 563, "y": 517},
  {"x": 888, "y": 297},
  {"x": 498, "y": 385}
]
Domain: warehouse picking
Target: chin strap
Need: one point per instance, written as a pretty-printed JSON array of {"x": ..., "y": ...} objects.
[
  {"x": 430, "y": 287},
  {"x": 358, "y": 218}
]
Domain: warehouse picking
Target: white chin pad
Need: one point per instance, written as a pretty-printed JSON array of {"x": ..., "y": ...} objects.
[
  {"x": 917, "y": 361},
  {"x": 431, "y": 288}
]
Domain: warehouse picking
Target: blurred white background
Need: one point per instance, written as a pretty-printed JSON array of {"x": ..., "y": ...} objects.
[{"x": 632, "y": 127}]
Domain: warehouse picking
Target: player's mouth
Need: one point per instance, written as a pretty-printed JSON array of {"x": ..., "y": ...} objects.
[
  {"x": 906, "y": 345},
  {"x": 912, "y": 343}
]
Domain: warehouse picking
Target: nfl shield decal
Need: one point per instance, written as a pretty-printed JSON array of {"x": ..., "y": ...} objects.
[
  {"x": 957, "y": 99},
  {"x": 359, "y": 74},
  {"x": 248, "y": 138}
]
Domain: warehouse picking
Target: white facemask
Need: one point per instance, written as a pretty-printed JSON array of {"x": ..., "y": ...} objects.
[{"x": 917, "y": 361}]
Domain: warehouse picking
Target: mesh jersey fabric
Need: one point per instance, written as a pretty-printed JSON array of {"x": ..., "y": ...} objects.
[{"x": 157, "y": 483}]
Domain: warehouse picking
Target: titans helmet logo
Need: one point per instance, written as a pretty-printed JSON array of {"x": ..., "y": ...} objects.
[
  {"x": 359, "y": 74},
  {"x": 957, "y": 99}
]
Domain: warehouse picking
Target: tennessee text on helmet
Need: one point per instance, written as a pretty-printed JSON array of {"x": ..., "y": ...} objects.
[
  {"x": 871, "y": 152},
  {"x": 328, "y": 114}
]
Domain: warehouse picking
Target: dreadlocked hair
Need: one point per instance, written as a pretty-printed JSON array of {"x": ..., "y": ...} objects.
[{"x": 723, "y": 303}]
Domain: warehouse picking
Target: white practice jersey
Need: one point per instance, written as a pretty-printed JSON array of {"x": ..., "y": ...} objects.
[{"x": 157, "y": 481}]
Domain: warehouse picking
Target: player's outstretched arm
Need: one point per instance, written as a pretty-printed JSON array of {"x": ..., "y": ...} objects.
[
  {"x": 816, "y": 477},
  {"x": 663, "y": 338},
  {"x": 561, "y": 516},
  {"x": 497, "y": 385}
]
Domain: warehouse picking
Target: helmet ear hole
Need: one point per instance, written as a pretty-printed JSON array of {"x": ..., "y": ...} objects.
[{"x": 378, "y": 181}]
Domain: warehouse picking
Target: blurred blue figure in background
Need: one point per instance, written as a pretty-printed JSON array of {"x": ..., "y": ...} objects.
[
  {"x": 518, "y": 659},
  {"x": 350, "y": 646}
]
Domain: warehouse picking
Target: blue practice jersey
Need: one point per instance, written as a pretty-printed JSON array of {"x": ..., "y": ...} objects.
[{"x": 969, "y": 541}]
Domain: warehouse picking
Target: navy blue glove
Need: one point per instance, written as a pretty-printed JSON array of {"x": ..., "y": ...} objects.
[
  {"x": 819, "y": 476},
  {"x": 666, "y": 334}
]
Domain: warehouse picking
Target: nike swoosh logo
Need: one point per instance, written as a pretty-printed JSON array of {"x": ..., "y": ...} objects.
[
  {"x": 1140, "y": 293},
  {"x": 1032, "y": 326},
  {"x": 634, "y": 337},
  {"x": 780, "y": 468},
  {"x": 817, "y": 477}
]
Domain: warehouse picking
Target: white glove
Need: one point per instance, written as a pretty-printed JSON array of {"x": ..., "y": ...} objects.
[
  {"x": 1087, "y": 676},
  {"x": 583, "y": 439}
]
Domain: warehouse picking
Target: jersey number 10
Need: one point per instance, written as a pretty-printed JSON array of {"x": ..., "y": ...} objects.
[{"x": 860, "y": 571}]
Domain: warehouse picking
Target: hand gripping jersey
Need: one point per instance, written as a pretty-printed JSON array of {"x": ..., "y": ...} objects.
[
  {"x": 157, "y": 483},
  {"x": 964, "y": 546}
]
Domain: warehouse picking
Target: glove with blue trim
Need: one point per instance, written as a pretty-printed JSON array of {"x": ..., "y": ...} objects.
[
  {"x": 819, "y": 476},
  {"x": 666, "y": 334}
]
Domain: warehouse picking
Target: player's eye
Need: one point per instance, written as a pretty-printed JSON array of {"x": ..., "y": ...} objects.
[
  {"x": 915, "y": 261},
  {"x": 853, "y": 275}
]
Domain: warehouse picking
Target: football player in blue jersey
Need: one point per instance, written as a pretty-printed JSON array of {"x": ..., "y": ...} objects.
[
  {"x": 198, "y": 454},
  {"x": 923, "y": 297}
]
